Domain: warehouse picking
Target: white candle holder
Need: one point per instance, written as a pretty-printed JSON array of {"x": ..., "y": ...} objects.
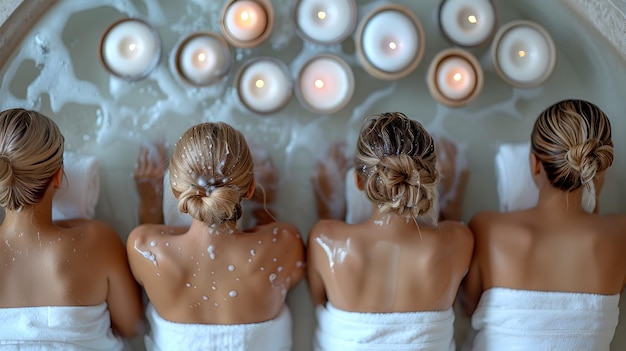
[
  {"x": 203, "y": 58},
  {"x": 523, "y": 54},
  {"x": 467, "y": 23},
  {"x": 325, "y": 22},
  {"x": 130, "y": 49},
  {"x": 264, "y": 85},
  {"x": 325, "y": 84},
  {"x": 247, "y": 23},
  {"x": 455, "y": 77},
  {"x": 390, "y": 42}
]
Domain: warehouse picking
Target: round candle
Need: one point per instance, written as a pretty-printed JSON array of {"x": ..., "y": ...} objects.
[
  {"x": 524, "y": 53},
  {"x": 245, "y": 20},
  {"x": 456, "y": 78},
  {"x": 390, "y": 42},
  {"x": 264, "y": 85},
  {"x": 203, "y": 58},
  {"x": 467, "y": 22},
  {"x": 326, "y": 21},
  {"x": 130, "y": 49},
  {"x": 326, "y": 84}
]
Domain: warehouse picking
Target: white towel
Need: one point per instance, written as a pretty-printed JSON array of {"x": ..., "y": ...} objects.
[
  {"x": 344, "y": 331},
  {"x": 57, "y": 328},
  {"x": 171, "y": 216},
  {"x": 516, "y": 189},
  {"x": 508, "y": 319},
  {"x": 272, "y": 335},
  {"x": 78, "y": 196}
]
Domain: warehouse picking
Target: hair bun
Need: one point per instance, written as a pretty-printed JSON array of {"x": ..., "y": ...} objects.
[{"x": 6, "y": 171}]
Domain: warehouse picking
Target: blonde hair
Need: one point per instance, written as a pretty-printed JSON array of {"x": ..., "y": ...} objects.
[
  {"x": 395, "y": 158},
  {"x": 211, "y": 170},
  {"x": 31, "y": 151},
  {"x": 572, "y": 139}
]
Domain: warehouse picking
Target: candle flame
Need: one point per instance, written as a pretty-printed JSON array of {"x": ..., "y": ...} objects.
[
  {"x": 319, "y": 83},
  {"x": 259, "y": 83},
  {"x": 245, "y": 16},
  {"x": 521, "y": 53},
  {"x": 457, "y": 76},
  {"x": 321, "y": 15},
  {"x": 472, "y": 19},
  {"x": 393, "y": 45},
  {"x": 201, "y": 57},
  {"x": 132, "y": 46}
]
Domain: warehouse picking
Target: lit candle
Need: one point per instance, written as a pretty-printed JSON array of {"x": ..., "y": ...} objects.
[
  {"x": 326, "y": 84},
  {"x": 454, "y": 77},
  {"x": 390, "y": 42},
  {"x": 325, "y": 21},
  {"x": 524, "y": 53},
  {"x": 246, "y": 22},
  {"x": 130, "y": 49},
  {"x": 264, "y": 85},
  {"x": 467, "y": 22},
  {"x": 203, "y": 58}
]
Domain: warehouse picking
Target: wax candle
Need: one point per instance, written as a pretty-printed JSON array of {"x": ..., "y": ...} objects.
[
  {"x": 325, "y": 21},
  {"x": 264, "y": 85},
  {"x": 326, "y": 84},
  {"x": 455, "y": 77},
  {"x": 130, "y": 49},
  {"x": 467, "y": 22},
  {"x": 203, "y": 58},
  {"x": 246, "y": 23},
  {"x": 523, "y": 53},
  {"x": 390, "y": 42}
]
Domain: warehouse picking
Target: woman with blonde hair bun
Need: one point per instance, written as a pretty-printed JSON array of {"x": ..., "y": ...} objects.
[
  {"x": 550, "y": 277},
  {"x": 212, "y": 286},
  {"x": 389, "y": 282},
  {"x": 63, "y": 284}
]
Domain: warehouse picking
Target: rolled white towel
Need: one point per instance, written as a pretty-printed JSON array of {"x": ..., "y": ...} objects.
[
  {"x": 78, "y": 196},
  {"x": 516, "y": 188}
]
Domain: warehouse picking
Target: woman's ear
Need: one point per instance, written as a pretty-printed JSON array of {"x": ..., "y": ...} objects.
[
  {"x": 250, "y": 191},
  {"x": 57, "y": 178},
  {"x": 535, "y": 164}
]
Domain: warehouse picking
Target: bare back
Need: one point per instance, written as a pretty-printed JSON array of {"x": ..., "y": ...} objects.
[
  {"x": 205, "y": 277},
  {"x": 388, "y": 266},
  {"x": 70, "y": 263},
  {"x": 538, "y": 250}
]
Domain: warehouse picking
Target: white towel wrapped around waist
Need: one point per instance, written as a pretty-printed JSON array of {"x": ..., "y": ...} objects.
[
  {"x": 78, "y": 196},
  {"x": 272, "y": 335},
  {"x": 344, "y": 331},
  {"x": 57, "y": 328},
  {"x": 509, "y": 319}
]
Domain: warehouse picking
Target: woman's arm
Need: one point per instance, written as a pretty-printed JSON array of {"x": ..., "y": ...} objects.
[
  {"x": 314, "y": 279},
  {"x": 472, "y": 285},
  {"x": 148, "y": 176}
]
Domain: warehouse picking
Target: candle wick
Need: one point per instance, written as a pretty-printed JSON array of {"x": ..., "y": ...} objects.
[{"x": 521, "y": 53}]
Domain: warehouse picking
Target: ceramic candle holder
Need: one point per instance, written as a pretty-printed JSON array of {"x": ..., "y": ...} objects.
[
  {"x": 325, "y": 22},
  {"x": 523, "y": 54},
  {"x": 203, "y": 58},
  {"x": 130, "y": 49},
  {"x": 455, "y": 77},
  {"x": 264, "y": 85},
  {"x": 247, "y": 23},
  {"x": 390, "y": 42},
  {"x": 325, "y": 84},
  {"x": 467, "y": 23}
]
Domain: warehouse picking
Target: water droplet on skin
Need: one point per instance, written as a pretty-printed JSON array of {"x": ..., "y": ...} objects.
[
  {"x": 211, "y": 251},
  {"x": 232, "y": 293},
  {"x": 252, "y": 252},
  {"x": 262, "y": 268},
  {"x": 275, "y": 231},
  {"x": 272, "y": 277},
  {"x": 274, "y": 259},
  {"x": 279, "y": 269},
  {"x": 167, "y": 244},
  {"x": 260, "y": 242},
  {"x": 153, "y": 243},
  {"x": 188, "y": 285},
  {"x": 215, "y": 304},
  {"x": 249, "y": 260},
  {"x": 299, "y": 264},
  {"x": 158, "y": 274},
  {"x": 231, "y": 268},
  {"x": 205, "y": 298},
  {"x": 213, "y": 287}
]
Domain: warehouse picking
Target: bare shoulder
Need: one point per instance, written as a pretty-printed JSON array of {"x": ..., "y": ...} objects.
[
  {"x": 458, "y": 234},
  {"x": 91, "y": 231},
  {"x": 326, "y": 227}
]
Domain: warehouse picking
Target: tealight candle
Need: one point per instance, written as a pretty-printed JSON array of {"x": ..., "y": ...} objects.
[
  {"x": 467, "y": 22},
  {"x": 325, "y": 21},
  {"x": 455, "y": 77},
  {"x": 203, "y": 58},
  {"x": 130, "y": 49},
  {"x": 326, "y": 84},
  {"x": 390, "y": 42},
  {"x": 245, "y": 23},
  {"x": 264, "y": 85},
  {"x": 523, "y": 53}
]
